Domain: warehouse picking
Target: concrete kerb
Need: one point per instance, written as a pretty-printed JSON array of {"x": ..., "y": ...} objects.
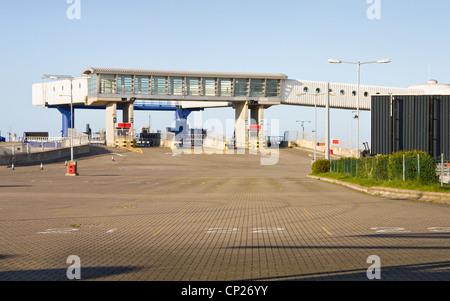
[{"x": 387, "y": 192}]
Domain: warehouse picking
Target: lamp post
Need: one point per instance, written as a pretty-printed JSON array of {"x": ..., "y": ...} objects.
[
  {"x": 303, "y": 126},
  {"x": 70, "y": 78},
  {"x": 327, "y": 138},
  {"x": 358, "y": 64},
  {"x": 351, "y": 129}
]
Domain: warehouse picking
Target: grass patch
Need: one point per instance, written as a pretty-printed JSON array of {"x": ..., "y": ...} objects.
[{"x": 408, "y": 185}]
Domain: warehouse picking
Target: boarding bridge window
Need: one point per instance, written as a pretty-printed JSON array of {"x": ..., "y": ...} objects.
[
  {"x": 240, "y": 87},
  {"x": 272, "y": 88},
  {"x": 125, "y": 84},
  {"x": 193, "y": 86},
  {"x": 159, "y": 85},
  {"x": 92, "y": 85},
  {"x": 225, "y": 87},
  {"x": 209, "y": 87},
  {"x": 257, "y": 88},
  {"x": 142, "y": 85},
  {"x": 176, "y": 86},
  {"x": 107, "y": 84}
]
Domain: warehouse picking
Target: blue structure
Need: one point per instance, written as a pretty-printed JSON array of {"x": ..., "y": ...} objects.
[{"x": 181, "y": 114}]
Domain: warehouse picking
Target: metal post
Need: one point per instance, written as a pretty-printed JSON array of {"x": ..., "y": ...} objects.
[
  {"x": 404, "y": 175},
  {"x": 357, "y": 107},
  {"x": 418, "y": 166},
  {"x": 71, "y": 120},
  {"x": 442, "y": 170},
  {"x": 327, "y": 125},
  {"x": 315, "y": 128}
]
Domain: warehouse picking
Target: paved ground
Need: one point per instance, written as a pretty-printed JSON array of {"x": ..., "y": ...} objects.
[{"x": 155, "y": 216}]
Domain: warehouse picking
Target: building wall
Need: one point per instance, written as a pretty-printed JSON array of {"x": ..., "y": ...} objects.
[
  {"x": 344, "y": 94},
  {"x": 411, "y": 122}
]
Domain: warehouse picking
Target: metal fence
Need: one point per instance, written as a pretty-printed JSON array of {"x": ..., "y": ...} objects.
[
  {"x": 42, "y": 144},
  {"x": 386, "y": 168}
]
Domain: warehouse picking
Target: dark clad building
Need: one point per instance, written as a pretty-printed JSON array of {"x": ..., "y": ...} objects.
[{"x": 411, "y": 122}]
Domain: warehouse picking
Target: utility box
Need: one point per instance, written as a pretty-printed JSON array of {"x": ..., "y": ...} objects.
[
  {"x": 72, "y": 169},
  {"x": 410, "y": 122}
]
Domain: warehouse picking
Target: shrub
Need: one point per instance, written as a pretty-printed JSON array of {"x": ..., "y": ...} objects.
[
  {"x": 320, "y": 166},
  {"x": 390, "y": 167}
]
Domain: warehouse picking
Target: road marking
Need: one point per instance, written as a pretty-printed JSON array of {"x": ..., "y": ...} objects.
[
  {"x": 440, "y": 229},
  {"x": 112, "y": 230},
  {"x": 306, "y": 210},
  {"x": 183, "y": 212},
  {"x": 267, "y": 230},
  {"x": 222, "y": 230},
  {"x": 326, "y": 231},
  {"x": 389, "y": 230},
  {"x": 59, "y": 231},
  {"x": 157, "y": 232}
]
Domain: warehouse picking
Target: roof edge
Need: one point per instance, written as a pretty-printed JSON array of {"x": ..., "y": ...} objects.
[{"x": 90, "y": 70}]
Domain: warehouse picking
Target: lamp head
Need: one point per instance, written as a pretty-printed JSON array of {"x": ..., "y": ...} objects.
[{"x": 333, "y": 61}]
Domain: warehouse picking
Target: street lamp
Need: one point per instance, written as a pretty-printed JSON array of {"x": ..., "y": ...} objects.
[
  {"x": 56, "y": 77},
  {"x": 354, "y": 116},
  {"x": 333, "y": 61},
  {"x": 329, "y": 93},
  {"x": 303, "y": 126}
]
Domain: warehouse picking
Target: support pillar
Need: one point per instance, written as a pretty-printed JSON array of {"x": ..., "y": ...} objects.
[
  {"x": 66, "y": 119},
  {"x": 128, "y": 117},
  {"x": 240, "y": 127},
  {"x": 256, "y": 132},
  {"x": 111, "y": 120},
  {"x": 182, "y": 132}
]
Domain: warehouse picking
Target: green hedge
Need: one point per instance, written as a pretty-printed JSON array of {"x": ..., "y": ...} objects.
[
  {"x": 389, "y": 167},
  {"x": 320, "y": 166}
]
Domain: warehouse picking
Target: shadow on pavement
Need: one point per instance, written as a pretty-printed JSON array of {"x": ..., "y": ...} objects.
[
  {"x": 87, "y": 273},
  {"x": 434, "y": 271}
]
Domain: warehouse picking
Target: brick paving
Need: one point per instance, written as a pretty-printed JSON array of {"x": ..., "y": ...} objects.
[{"x": 159, "y": 217}]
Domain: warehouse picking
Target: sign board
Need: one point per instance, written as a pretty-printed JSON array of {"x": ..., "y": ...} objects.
[
  {"x": 124, "y": 125},
  {"x": 335, "y": 141},
  {"x": 254, "y": 127}
]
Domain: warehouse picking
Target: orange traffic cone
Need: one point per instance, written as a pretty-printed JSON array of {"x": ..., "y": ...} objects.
[{"x": 65, "y": 163}]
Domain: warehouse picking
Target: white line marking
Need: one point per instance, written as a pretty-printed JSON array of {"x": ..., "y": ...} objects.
[
  {"x": 112, "y": 230},
  {"x": 389, "y": 230},
  {"x": 267, "y": 230},
  {"x": 440, "y": 229},
  {"x": 222, "y": 230},
  {"x": 59, "y": 231}
]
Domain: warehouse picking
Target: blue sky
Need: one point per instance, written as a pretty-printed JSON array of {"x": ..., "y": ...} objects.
[{"x": 285, "y": 36}]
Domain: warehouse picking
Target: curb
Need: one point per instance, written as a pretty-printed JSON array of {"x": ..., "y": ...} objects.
[{"x": 386, "y": 192}]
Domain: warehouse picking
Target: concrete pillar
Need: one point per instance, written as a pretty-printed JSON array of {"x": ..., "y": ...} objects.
[
  {"x": 257, "y": 116},
  {"x": 111, "y": 120},
  {"x": 128, "y": 116},
  {"x": 255, "y": 132},
  {"x": 240, "y": 127}
]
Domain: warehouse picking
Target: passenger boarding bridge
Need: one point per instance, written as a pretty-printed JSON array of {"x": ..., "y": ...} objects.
[{"x": 183, "y": 92}]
